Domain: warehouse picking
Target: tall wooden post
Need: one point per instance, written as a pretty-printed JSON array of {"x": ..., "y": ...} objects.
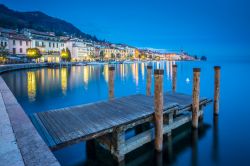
[
  {"x": 158, "y": 102},
  {"x": 196, "y": 93},
  {"x": 111, "y": 82},
  {"x": 216, "y": 89},
  {"x": 174, "y": 74},
  {"x": 149, "y": 80}
]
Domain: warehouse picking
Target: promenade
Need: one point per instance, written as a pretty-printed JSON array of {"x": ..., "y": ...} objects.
[{"x": 20, "y": 142}]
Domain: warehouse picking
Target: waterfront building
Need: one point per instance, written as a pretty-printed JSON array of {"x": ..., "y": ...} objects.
[
  {"x": 4, "y": 42},
  {"x": 78, "y": 49},
  {"x": 18, "y": 44},
  {"x": 172, "y": 56},
  {"x": 90, "y": 50},
  {"x": 119, "y": 51},
  {"x": 125, "y": 50},
  {"x": 110, "y": 51},
  {"x": 48, "y": 43}
]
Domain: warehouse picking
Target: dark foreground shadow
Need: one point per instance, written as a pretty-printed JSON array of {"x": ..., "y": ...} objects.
[{"x": 181, "y": 139}]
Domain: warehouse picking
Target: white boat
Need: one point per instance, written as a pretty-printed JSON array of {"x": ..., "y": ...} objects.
[{"x": 97, "y": 63}]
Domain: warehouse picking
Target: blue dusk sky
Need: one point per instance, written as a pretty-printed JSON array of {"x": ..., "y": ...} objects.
[{"x": 215, "y": 28}]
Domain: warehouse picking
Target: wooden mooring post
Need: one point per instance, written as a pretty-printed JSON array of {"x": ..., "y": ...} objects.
[
  {"x": 174, "y": 74},
  {"x": 149, "y": 80},
  {"x": 195, "y": 97},
  {"x": 158, "y": 104},
  {"x": 216, "y": 89},
  {"x": 111, "y": 82}
]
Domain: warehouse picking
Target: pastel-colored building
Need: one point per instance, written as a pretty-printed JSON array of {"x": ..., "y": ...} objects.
[
  {"x": 18, "y": 44},
  {"x": 78, "y": 49},
  {"x": 4, "y": 42},
  {"x": 48, "y": 43}
]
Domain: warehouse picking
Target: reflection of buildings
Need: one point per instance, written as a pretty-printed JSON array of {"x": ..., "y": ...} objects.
[
  {"x": 135, "y": 72},
  {"x": 106, "y": 73},
  {"x": 85, "y": 76},
  {"x": 122, "y": 70},
  {"x": 169, "y": 69},
  {"x": 142, "y": 70},
  {"x": 31, "y": 85},
  {"x": 64, "y": 82}
]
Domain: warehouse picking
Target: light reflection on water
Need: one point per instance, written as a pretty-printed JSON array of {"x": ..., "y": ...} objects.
[{"x": 45, "y": 89}]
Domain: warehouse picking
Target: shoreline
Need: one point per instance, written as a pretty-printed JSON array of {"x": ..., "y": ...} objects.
[{"x": 21, "y": 143}]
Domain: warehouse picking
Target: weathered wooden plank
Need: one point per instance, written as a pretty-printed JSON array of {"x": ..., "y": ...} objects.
[
  {"x": 48, "y": 138},
  {"x": 48, "y": 128}
]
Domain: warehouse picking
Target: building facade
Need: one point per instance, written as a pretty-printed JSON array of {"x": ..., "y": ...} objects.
[
  {"x": 48, "y": 43},
  {"x": 18, "y": 44},
  {"x": 78, "y": 49},
  {"x": 4, "y": 42}
]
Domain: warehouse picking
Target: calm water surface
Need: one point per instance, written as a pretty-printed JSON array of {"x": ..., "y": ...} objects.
[{"x": 222, "y": 141}]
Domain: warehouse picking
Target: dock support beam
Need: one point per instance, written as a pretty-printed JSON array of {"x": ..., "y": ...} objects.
[
  {"x": 196, "y": 93},
  {"x": 111, "y": 82},
  {"x": 216, "y": 89},
  {"x": 174, "y": 78},
  {"x": 158, "y": 102},
  {"x": 149, "y": 80},
  {"x": 118, "y": 141}
]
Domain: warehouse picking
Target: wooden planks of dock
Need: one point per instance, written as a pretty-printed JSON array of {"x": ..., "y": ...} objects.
[{"x": 63, "y": 127}]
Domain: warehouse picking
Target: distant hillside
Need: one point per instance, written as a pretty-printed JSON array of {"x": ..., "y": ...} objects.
[{"x": 38, "y": 21}]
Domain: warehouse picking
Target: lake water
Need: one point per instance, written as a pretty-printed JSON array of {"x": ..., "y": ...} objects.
[{"x": 221, "y": 141}]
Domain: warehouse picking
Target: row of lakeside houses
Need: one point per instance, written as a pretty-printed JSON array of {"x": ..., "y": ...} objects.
[{"x": 50, "y": 45}]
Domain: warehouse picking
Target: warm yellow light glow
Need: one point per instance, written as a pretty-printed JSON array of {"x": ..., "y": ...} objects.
[
  {"x": 64, "y": 80},
  {"x": 64, "y": 54},
  {"x": 135, "y": 72},
  {"x": 122, "y": 71},
  {"x": 31, "y": 52},
  {"x": 86, "y": 76},
  {"x": 31, "y": 85},
  {"x": 106, "y": 73}
]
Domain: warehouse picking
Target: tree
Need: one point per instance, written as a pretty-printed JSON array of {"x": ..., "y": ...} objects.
[
  {"x": 33, "y": 53},
  {"x": 118, "y": 55},
  {"x": 91, "y": 55},
  {"x": 3, "y": 53},
  {"x": 66, "y": 55},
  {"x": 102, "y": 55},
  {"x": 112, "y": 56}
]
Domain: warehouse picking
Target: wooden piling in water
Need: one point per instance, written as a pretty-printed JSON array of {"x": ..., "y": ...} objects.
[
  {"x": 216, "y": 89},
  {"x": 196, "y": 98},
  {"x": 149, "y": 80},
  {"x": 158, "y": 104},
  {"x": 174, "y": 74},
  {"x": 111, "y": 82}
]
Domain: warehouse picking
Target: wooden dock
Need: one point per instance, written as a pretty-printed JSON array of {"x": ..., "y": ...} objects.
[
  {"x": 108, "y": 121},
  {"x": 63, "y": 127}
]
